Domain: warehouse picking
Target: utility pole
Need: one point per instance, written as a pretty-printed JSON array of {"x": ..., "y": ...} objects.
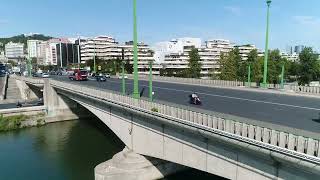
[
  {"x": 136, "y": 93},
  {"x": 94, "y": 58},
  {"x": 29, "y": 67},
  {"x": 282, "y": 77},
  {"x": 123, "y": 79},
  {"x": 266, "y": 52},
  {"x": 249, "y": 75},
  {"x": 150, "y": 82}
]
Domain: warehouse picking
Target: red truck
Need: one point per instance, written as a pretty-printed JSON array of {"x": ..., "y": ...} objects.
[{"x": 79, "y": 75}]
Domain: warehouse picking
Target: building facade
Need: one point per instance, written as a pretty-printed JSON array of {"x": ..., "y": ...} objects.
[
  {"x": 14, "y": 50},
  {"x": 32, "y": 47},
  {"x": 290, "y": 57},
  {"x": 209, "y": 57},
  {"x": 246, "y": 49},
  {"x": 106, "y": 48},
  {"x": 66, "y": 54}
]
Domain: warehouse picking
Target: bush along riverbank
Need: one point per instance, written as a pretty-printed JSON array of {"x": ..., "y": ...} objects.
[{"x": 21, "y": 121}]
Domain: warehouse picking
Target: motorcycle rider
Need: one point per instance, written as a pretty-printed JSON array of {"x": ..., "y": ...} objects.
[{"x": 194, "y": 97}]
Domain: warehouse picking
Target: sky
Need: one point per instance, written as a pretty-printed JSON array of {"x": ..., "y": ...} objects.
[{"x": 292, "y": 22}]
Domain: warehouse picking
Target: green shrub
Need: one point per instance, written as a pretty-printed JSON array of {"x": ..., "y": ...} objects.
[{"x": 154, "y": 110}]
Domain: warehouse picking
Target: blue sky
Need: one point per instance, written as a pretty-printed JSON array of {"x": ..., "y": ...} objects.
[{"x": 241, "y": 21}]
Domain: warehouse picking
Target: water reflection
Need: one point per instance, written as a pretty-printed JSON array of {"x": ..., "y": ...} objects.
[{"x": 63, "y": 151}]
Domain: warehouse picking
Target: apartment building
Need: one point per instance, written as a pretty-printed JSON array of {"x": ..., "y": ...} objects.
[
  {"x": 246, "y": 49},
  {"x": 103, "y": 47},
  {"x": 32, "y": 47},
  {"x": 106, "y": 48},
  {"x": 294, "y": 57},
  {"x": 209, "y": 56},
  {"x": 14, "y": 50}
]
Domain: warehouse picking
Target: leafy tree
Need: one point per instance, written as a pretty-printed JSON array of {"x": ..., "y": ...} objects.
[
  {"x": 128, "y": 67},
  {"x": 309, "y": 67},
  {"x": 13, "y": 63},
  {"x": 228, "y": 66},
  {"x": 194, "y": 65}
]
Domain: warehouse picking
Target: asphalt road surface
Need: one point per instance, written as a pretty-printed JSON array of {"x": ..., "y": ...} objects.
[{"x": 291, "y": 111}]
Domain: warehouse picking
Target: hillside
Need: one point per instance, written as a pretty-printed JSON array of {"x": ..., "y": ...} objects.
[{"x": 22, "y": 39}]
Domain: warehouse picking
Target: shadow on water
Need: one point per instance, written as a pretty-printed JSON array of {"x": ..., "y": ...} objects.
[{"x": 316, "y": 120}]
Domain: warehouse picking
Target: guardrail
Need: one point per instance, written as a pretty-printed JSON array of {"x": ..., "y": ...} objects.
[
  {"x": 294, "y": 145},
  {"x": 23, "y": 110}
]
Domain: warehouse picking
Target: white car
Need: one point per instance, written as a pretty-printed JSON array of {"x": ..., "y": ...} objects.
[
  {"x": 45, "y": 75},
  {"x": 108, "y": 76},
  {"x": 125, "y": 76}
]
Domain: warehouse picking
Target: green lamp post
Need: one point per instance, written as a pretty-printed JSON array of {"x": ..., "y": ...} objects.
[
  {"x": 266, "y": 52},
  {"x": 136, "y": 93}
]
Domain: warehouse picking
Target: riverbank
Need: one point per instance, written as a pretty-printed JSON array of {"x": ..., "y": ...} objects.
[{"x": 9, "y": 123}]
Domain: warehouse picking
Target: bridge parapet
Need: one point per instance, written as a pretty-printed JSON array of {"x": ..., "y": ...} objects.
[{"x": 289, "y": 144}]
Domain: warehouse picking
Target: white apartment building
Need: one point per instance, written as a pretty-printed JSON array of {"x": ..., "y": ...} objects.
[
  {"x": 145, "y": 56},
  {"x": 14, "y": 50},
  {"x": 294, "y": 57},
  {"x": 106, "y": 48},
  {"x": 209, "y": 56},
  {"x": 246, "y": 49},
  {"x": 162, "y": 49},
  {"x": 103, "y": 47},
  {"x": 32, "y": 46}
]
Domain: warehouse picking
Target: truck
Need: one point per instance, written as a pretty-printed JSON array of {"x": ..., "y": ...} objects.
[{"x": 79, "y": 75}]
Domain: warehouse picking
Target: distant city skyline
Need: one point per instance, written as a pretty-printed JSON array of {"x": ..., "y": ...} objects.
[{"x": 242, "y": 22}]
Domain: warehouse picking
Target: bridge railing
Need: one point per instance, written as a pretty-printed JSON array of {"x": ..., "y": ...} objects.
[{"x": 304, "y": 146}]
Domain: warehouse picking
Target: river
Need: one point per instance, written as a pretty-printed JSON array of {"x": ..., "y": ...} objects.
[{"x": 63, "y": 151}]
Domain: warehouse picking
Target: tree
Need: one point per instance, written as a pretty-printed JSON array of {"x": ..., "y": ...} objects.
[
  {"x": 128, "y": 67},
  {"x": 194, "y": 65},
  {"x": 228, "y": 66},
  {"x": 13, "y": 63},
  {"x": 309, "y": 68}
]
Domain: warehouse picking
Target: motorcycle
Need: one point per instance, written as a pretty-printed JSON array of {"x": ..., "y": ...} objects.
[{"x": 195, "y": 100}]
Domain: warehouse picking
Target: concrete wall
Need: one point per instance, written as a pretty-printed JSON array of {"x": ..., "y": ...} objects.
[{"x": 3, "y": 85}]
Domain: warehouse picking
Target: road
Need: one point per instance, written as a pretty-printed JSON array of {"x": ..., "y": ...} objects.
[{"x": 290, "y": 111}]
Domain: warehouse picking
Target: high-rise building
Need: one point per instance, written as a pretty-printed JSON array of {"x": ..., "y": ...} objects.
[
  {"x": 67, "y": 54},
  {"x": 32, "y": 46},
  {"x": 298, "y": 49},
  {"x": 14, "y": 50}
]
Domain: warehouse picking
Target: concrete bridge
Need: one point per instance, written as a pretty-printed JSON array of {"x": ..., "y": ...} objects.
[{"x": 227, "y": 146}]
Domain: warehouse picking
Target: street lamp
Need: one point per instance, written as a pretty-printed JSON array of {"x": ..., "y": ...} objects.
[
  {"x": 150, "y": 81},
  {"x": 136, "y": 93},
  {"x": 94, "y": 58},
  {"x": 266, "y": 52}
]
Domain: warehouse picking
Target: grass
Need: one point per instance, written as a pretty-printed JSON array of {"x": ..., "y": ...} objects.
[{"x": 12, "y": 122}]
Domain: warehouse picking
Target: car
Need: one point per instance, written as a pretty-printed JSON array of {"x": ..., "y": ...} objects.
[
  {"x": 125, "y": 76},
  {"x": 101, "y": 78},
  {"x": 45, "y": 75},
  {"x": 108, "y": 76}
]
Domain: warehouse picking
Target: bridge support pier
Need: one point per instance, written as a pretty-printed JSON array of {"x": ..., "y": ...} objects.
[
  {"x": 132, "y": 166},
  {"x": 60, "y": 108}
]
